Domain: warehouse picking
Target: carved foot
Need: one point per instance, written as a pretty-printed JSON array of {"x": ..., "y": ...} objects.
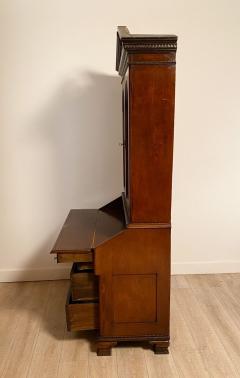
[
  {"x": 160, "y": 347},
  {"x": 104, "y": 348}
]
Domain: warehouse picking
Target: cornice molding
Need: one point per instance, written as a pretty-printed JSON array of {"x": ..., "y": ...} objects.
[
  {"x": 165, "y": 45},
  {"x": 138, "y": 43}
]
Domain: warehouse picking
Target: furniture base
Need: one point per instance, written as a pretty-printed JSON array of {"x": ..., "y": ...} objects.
[
  {"x": 160, "y": 347},
  {"x": 104, "y": 347}
]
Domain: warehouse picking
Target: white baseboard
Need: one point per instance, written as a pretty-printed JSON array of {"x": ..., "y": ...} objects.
[
  {"x": 41, "y": 274},
  {"x": 57, "y": 273},
  {"x": 206, "y": 267}
]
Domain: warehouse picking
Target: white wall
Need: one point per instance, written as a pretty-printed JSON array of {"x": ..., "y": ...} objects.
[{"x": 61, "y": 123}]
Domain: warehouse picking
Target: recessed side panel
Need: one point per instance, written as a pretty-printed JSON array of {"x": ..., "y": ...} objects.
[
  {"x": 152, "y": 88},
  {"x": 134, "y": 298}
]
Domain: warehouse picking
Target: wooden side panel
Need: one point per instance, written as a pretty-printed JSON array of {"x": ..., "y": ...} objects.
[
  {"x": 152, "y": 88},
  {"x": 134, "y": 269}
]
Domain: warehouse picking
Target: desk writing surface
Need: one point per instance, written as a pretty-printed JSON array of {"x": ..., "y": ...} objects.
[
  {"x": 77, "y": 232},
  {"x": 85, "y": 229}
]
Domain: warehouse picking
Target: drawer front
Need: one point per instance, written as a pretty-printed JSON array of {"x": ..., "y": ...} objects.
[
  {"x": 66, "y": 257},
  {"x": 84, "y": 283},
  {"x": 81, "y": 315}
]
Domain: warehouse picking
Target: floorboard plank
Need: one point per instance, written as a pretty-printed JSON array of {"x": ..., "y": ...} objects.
[
  {"x": 160, "y": 366},
  {"x": 48, "y": 347},
  {"x": 220, "y": 313},
  {"x": 25, "y": 326},
  {"x": 74, "y": 355},
  {"x": 131, "y": 362},
  {"x": 204, "y": 334},
  {"x": 102, "y": 367},
  {"x": 186, "y": 354}
]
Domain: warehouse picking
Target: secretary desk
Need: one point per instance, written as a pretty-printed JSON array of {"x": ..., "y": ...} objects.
[{"x": 120, "y": 277}]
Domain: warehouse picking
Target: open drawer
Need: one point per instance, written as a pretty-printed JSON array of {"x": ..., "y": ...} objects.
[
  {"x": 81, "y": 315},
  {"x": 84, "y": 283}
]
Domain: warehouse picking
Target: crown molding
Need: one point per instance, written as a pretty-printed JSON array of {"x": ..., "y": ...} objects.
[{"x": 128, "y": 43}]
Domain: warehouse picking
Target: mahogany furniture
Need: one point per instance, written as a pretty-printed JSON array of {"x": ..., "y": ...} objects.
[{"x": 120, "y": 279}]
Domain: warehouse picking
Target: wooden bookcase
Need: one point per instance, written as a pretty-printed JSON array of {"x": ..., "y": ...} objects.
[{"x": 120, "y": 280}]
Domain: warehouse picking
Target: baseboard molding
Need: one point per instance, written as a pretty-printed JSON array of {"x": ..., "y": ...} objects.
[
  {"x": 41, "y": 274},
  {"x": 206, "y": 267},
  {"x": 58, "y": 272}
]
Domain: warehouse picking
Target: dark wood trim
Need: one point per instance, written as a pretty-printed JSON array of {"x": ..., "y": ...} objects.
[
  {"x": 160, "y": 347},
  {"x": 105, "y": 348},
  {"x": 149, "y": 225},
  {"x": 140, "y": 225},
  {"x": 105, "y": 345},
  {"x": 128, "y": 43},
  {"x": 125, "y": 208},
  {"x": 151, "y": 338},
  {"x": 148, "y": 63}
]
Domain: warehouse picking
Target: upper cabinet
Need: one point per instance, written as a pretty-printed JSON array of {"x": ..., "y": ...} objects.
[{"x": 146, "y": 64}]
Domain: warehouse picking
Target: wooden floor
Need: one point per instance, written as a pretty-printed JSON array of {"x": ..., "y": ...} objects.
[{"x": 205, "y": 334}]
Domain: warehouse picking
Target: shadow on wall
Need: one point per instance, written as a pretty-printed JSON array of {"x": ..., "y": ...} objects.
[
  {"x": 73, "y": 147},
  {"x": 82, "y": 127}
]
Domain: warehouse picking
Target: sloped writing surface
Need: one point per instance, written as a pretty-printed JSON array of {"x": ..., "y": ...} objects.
[
  {"x": 77, "y": 232},
  {"x": 110, "y": 221},
  {"x": 84, "y": 229}
]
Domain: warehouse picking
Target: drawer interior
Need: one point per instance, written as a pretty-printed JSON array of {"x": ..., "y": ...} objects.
[{"x": 84, "y": 283}]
